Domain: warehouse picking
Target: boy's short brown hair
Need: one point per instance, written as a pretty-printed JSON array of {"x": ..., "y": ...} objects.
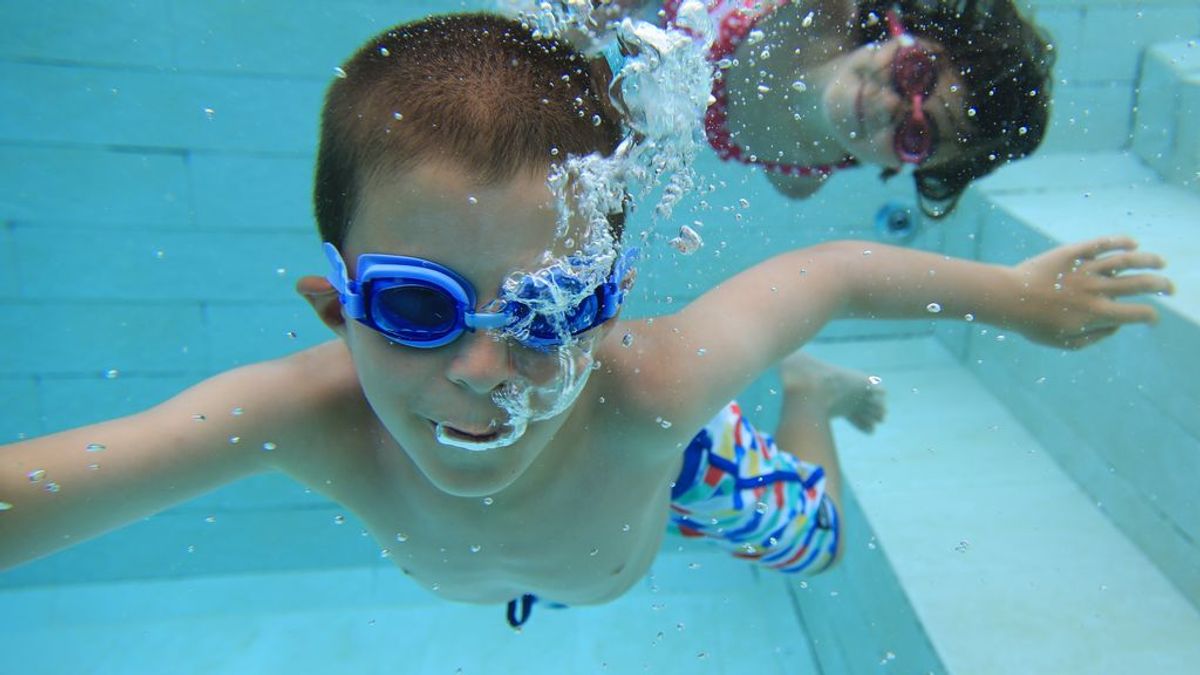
[{"x": 477, "y": 90}]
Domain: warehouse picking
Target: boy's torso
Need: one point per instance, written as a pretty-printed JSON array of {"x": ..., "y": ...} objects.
[{"x": 581, "y": 526}]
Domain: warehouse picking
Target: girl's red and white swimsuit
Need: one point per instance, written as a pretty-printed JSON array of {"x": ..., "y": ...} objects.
[{"x": 733, "y": 20}]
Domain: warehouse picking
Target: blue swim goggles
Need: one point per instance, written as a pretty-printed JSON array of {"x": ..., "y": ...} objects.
[{"x": 419, "y": 303}]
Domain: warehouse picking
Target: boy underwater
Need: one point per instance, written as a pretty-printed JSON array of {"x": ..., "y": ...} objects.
[{"x": 499, "y": 445}]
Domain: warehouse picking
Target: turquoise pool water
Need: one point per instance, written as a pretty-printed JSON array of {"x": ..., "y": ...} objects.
[{"x": 1022, "y": 510}]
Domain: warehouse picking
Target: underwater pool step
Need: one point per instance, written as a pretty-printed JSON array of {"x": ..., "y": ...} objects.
[
  {"x": 1004, "y": 562},
  {"x": 1166, "y": 131}
]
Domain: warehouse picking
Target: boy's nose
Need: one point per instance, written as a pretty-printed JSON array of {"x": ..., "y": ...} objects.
[{"x": 481, "y": 362}]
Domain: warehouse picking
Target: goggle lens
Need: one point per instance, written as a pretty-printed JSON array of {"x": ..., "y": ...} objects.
[{"x": 414, "y": 312}]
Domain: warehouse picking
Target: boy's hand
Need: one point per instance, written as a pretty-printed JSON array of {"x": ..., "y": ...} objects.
[{"x": 1069, "y": 293}]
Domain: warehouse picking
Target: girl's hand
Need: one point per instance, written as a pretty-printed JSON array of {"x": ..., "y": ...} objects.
[{"x": 1069, "y": 293}]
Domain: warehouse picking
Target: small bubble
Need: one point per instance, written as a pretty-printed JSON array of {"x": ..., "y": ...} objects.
[
  {"x": 234, "y": 440},
  {"x": 401, "y": 537},
  {"x": 874, "y": 379},
  {"x": 385, "y": 553},
  {"x": 95, "y": 447},
  {"x": 210, "y": 519},
  {"x": 291, "y": 334},
  {"x": 799, "y": 85},
  {"x": 237, "y": 412},
  {"x": 702, "y": 655},
  {"x": 679, "y": 626},
  {"x": 383, "y": 51},
  {"x": 596, "y": 120},
  {"x": 968, "y": 317},
  {"x": 666, "y": 424},
  {"x": 93, "y": 467},
  {"x": 36, "y": 475},
  {"x": 268, "y": 446},
  {"x": 754, "y": 37},
  {"x": 397, "y": 116},
  {"x": 867, "y": 252},
  {"x": 701, "y": 351},
  {"x": 488, "y": 501},
  {"x": 933, "y": 308},
  {"x": 763, "y": 89},
  {"x": 807, "y": 22},
  {"x": 476, "y": 548},
  {"x": 210, "y": 113},
  {"x": 198, "y": 417},
  {"x": 339, "y": 72},
  {"x": 744, "y": 203},
  {"x": 971, "y": 112},
  {"x": 760, "y": 507},
  {"x": 280, "y": 271},
  {"x": 5, "y": 506},
  {"x": 625, "y": 527},
  {"x": 51, "y": 486},
  {"x": 627, "y": 339},
  {"x": 594, "y": 552},
  {"x": 962, "y": 546},
  {"x": 339, "y": 519},
  {"x": 112, "y": 374},
  {"x": 472, "y": 200}
]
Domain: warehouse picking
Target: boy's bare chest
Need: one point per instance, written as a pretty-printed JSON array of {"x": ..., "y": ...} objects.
[{"x": 586, "y": 538}]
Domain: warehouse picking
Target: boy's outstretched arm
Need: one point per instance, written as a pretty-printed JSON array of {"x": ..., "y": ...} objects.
[
  {"x": 1066, "y": 297},
  {"x": 64, "y": 488}
]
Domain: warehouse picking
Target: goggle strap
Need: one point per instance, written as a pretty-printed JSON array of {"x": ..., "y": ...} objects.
[{"x": 340, "y": 279}]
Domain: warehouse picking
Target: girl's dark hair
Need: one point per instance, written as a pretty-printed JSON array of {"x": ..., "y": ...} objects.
[{"x": 1004, "y": 62}]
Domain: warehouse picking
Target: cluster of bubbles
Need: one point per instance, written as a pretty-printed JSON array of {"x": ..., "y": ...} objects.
[{"x": 661, "y": 84}]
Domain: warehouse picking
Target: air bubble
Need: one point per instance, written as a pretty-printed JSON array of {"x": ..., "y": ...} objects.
[
  {"x": 234, "y": 440},
  {"x": 112, "y": 374},
  {"x": 383, "y": 51},
  {"x": 968, "y": 317},
  {"x": 36, "y": 475},
  {"x": 198, "y": 417},
  {"x": 339, "y": 72},
  {"x": 401, "y": 537},
  {"x": 268, "y": 446},
  {"x": 51, "y": 487},
  {"x": 210, "y": 113},
  {"x": 807, "y": 22},
  {"x": 627, "y": 339},
  {"x": 799, "y": 85},
  {"x": 476, "y": 548},
  {"x": 933, "y": 308},
  {"x": 688, "y": 241},
  {"x": 875, "y": 379},
  {"x": 472, "y": 200},
  {"x": 95, "y": 447},
  {"x": 754, "y": 37},
  {"x": 5, "y": 506},
  {"x": 488, "y": 501},
  {"x": 339, "y": 519},
  {"x": 397, "y": 116},
  {"x": 666, "y": 424},
  {"x": 237, "y": 412}
]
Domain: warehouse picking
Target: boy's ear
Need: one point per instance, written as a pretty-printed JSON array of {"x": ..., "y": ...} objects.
[{"x": 324, "y": 300}]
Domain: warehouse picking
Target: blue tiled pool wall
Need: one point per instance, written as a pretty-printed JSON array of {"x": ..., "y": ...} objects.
[{"x": 156, "y": 163}]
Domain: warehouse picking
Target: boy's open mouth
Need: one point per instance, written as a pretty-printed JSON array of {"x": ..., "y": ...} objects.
[{"x": 482, "y": 435}]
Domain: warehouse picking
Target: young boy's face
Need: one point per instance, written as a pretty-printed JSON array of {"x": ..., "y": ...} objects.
[{"x": 437, "y": 213}]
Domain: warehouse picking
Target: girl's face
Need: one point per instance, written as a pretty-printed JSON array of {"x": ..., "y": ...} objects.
[{"x": 865, "y": 108}]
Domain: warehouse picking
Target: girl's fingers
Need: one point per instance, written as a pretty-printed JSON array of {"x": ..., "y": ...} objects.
[
  {"x": 1135, "y": 284},
  {"x": 1115, "y": 264},
  {"x": 1088, "y": 250}
]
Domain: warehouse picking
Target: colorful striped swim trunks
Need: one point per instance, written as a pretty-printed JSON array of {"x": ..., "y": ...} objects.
[{"x": 760, "y": 503}]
